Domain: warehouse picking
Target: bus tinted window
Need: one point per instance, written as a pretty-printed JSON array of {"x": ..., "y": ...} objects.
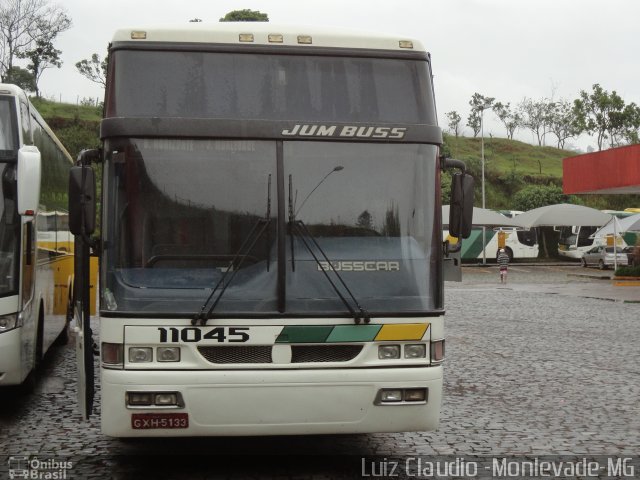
[
  {"x": 8, "y": 135},
  {"x": 275, "y": 87},
  {"x": 9, "y": 230}
]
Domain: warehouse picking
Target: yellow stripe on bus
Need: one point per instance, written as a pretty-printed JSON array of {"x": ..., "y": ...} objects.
[{"x": 403, "y": 331}]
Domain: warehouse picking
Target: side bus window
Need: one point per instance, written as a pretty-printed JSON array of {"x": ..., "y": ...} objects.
[{"x": 25, "y": 123}]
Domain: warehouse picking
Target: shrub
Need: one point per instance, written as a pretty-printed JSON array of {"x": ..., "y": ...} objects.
[{"x": 628, "y": 271}]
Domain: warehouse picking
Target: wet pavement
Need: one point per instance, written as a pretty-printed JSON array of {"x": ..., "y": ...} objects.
[
  {"x": 547, "y": 364},
  {"x": 570, "y": 280}
]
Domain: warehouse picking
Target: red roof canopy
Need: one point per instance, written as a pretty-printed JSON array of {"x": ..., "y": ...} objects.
[{"x": 610, "y": 171}]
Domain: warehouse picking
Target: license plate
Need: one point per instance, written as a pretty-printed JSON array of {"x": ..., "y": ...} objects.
[{"x": 148, "y": 421}]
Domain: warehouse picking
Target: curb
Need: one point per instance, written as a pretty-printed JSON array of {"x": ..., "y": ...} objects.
[{"x": 587, "y": 275}]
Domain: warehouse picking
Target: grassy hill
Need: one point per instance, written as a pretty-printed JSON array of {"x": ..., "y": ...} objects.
[
  {"x": 504, "y": 156},
  {"x": 511, "y": 165},
  {"x": 77, "y": 126}
]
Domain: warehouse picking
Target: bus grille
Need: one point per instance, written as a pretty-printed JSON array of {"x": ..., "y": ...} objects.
[
  {"x": 262, "y": 353},
  {"x": 324, "y": 353},
  {"x": 249, "y": 354}
]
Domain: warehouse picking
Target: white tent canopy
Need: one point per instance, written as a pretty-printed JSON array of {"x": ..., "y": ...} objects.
[
  {"x": 562, "y": 214},
  {"x": 482, "y": 217},
  {"x": 628, "y": 224}
]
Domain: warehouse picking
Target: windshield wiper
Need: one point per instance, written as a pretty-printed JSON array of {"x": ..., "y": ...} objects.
[
  {"x": 297, "y": 227},
  {"x": 243, "y": 252}
]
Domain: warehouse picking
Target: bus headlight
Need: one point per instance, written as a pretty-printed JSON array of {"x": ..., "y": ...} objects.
[
  {"x": 139, "y": 399},
  {"x": 154, "y": 399},
  {"x": 391, "y": 396},
  {"x": 388, "y": 352},
  {"x": 415, "y": 351},
  {"x": 168, "y": 354},
  {"x": 162, "y": 399},
  {"x": 8, "y": 322},
  {"x": 140, "y": 354}
]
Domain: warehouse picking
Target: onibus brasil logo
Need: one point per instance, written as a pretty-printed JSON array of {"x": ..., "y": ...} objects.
[{"x": 35, "y": 468}]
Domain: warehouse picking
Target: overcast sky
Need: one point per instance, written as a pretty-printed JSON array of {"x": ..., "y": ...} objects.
[{"x": 508, "y": 49}]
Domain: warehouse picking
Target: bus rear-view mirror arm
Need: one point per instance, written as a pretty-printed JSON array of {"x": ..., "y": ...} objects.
[{"x": 82, "y": 195}]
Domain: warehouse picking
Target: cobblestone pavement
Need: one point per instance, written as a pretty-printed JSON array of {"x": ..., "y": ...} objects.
[{"x": 526, "y": 373}]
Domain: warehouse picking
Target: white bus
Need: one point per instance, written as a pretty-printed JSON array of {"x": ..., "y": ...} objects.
[
  {"x": 36, "y": 267},
  {"x": 574, "y": 240},
  {"x": 272, "y": 259},
  {"x": 518, "y": 243}
]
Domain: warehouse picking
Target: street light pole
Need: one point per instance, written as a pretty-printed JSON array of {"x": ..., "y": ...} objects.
[{"x": 484, "y": 229}]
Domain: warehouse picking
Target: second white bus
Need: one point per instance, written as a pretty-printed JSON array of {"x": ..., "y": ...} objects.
[{"x": 36, "y": 265}]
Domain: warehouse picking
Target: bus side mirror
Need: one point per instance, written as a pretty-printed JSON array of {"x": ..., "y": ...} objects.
[
  {"x": 461, "y": 206},
  {"x": 82, "y": 200},
  {"x": 29, "y": 173}
]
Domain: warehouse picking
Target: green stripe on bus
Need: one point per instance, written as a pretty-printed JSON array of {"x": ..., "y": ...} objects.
[
  {"x": 630, "y": 238},
  {"x": 472, "y": 246},
  {"x": 354, "y": 333},
  {"x": 304, "y": 334}
]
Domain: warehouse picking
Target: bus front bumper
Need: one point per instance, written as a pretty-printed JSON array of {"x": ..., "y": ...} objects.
[{"x": 272, "y": 402}]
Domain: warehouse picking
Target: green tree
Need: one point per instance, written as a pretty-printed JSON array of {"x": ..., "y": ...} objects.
[
  {"x": 22, "y": 78},
  {"x": 629, "y": 131},
  {"x": 479, "y": 103},
  {"x": 245, "y": 15},
  {"x": 453, "y": 121},
  {"x": 43, "y": 55},
  {"x": 535, "y": 196},
  {"x": 563, "y": 122},
  {"x": 535, "y": 116},
  {"x": 94, "y": 69},
  {"x": 510, "y": 120},
  {"x": 606, "y": 115},
  {"x": 25, "y": 22}
]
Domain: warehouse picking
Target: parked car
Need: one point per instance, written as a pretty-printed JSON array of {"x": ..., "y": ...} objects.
[{"x": 603, "y": 257}]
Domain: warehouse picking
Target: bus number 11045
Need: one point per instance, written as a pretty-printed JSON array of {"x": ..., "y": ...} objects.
[{"x": 194, "y": 334}]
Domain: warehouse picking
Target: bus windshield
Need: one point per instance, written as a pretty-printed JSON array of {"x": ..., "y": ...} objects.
[
  {"x": 576, "y": 236},
  {"x": 250, "y": 86},
  {"x": 187, "y": 212}
]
